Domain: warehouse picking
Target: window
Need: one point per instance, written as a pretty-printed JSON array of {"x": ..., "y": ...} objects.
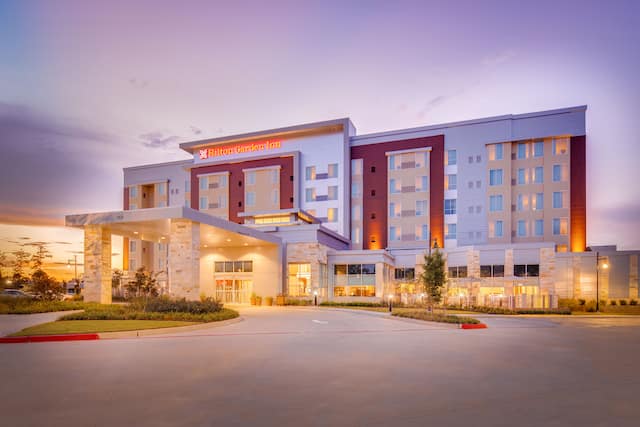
[
  {"x": 538, "y": 175},
  {"x": 394, "y": 186},
  {"x": 421, "y": 207},
  {"x": 560, "y": 146},
  {"x": 392, "y": 162},
  {"x": 559, "y": 173},
  {"x": 204, "y": 183},
  {"x": 394, "y": 233},
  {"x": 251, "y": 178},
  {"x": 275, "y": 176},
  {"x": 521, "y": 177},
  {"x": 160, "y": 188},
  {"x": 332, "y": 215},
  {"x": 495, "y": 203},
  {"x": 310, "y": 194},
  {"x": 394, "y": 210},
  {"x": 421, "y": 158},
  {"x": 421, "y": 183},
  {"x": 233, "y": 266},
  {"x": 522, "y": 150},
  {"x": 538, "y": 149},
  {"x": 356, "y": 167},
  {"x": 458, "y": 272},
  {"x": 526, "y": 270},
  {"x": 422, "y": 232},
  {"x": 355, "y": 189},
  {"x": 405, "y": 273},
  {"x": 275, "y": 197},
  {"x": 452, "y": 157},
  {"x": 355, "y": 235},
  {"x": 560, "y": 226},
  {"x": 310, "y": 173},
  {"x": 332, "y": 192},
  {"x": 356, "y": 213},
  {"x": 222, "y": 181},
  {"x": 498, "y": 229},
  {"x": 133, "y": 191},
  {"x": 133, "y": 206},
  {"x": 495, "y": 177},
  {"x": 495, "y": 152},
  {"x": 451, "y": 232},
  {"x": 204, "y": 203},
  {"x": 522, "y": 228},
  {"x": 452, "y": 182},
  {"x": 539, "y": 227},
  {"x": 332, "y": 170},
  {"x": 538, "y": 201},
  {"x": 557, "y": 200},
  {"x": 250, "y": 198},
  {"x": 132, "y": 246},
  {"x": 187, "y": 186},
  {"x": 520, "y": 202},
  {"x": 492, "y": 270},
  {"x": 450, "y": 206}
]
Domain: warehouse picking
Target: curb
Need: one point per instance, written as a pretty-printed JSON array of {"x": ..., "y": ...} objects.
[
  {"x": 49, "y": 338},
  {"x": 166, "y": 331},
  {"x": 473, "y": 326}
]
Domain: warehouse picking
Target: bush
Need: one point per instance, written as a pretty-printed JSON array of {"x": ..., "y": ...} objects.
[
  {"x": 268, "y": 300},
  {"x": 353, "y": 304},
  {"x": 45, "y": 287},
  {"x": 499, "y": 310},
  {"x": 623, "y": 302},
  {"x": 433, "y": 317},
  {"x": 181, "y": 305},
  {"x": 297, "y": 301},
  {"x": 633, "y": 302},
  {"x": 126, "y": 313},
  {"x": 11, "y": 305},
  {"x": 612, "y": 302},
  {"x": 582, "y": 301},
  {"x": 572, "y": 304}
]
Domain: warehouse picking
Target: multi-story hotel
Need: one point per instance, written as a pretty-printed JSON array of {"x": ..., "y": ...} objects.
[{"x": 316, "y": 209}]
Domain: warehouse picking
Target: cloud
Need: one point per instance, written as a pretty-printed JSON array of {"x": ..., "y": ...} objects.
[
  {"x": 158, "y": 140},
  {"x": 499, "y": 58},
  {"x": 195, "y": 130}
]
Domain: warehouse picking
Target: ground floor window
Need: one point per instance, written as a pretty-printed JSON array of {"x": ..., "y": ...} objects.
[
  {"x": 233, "y": 266},
  {"x": 299, "y": 279},
  {"x": 233, "y": 291},
  {"x": 354, "y": 291}
]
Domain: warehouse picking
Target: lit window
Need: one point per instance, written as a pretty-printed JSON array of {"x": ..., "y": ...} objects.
[
  {"x": 452, "y": 182},
  {"x": 451, "y": 232},
  {"x": 204, "y": 183},
  {"x": 251, "y": 178},
  {"x": 560, "y": 226},
  {"x": 557, "y": 200},
  {"x": 560, "y": 146},
  {"x": 539, "y": 227},
  {"x": 355, "y": 235},
  {"x": 310, "y": 194},
  {"x": 394, "y": 186},
  {"x": 522, "y": 228},
  {"x": 204, "y": 203},
  {"x": 538, "y": 175},
  {"x": 421, "y": 207},
  {"x": 160, "y": 188},
  {"x": 132, "y": 246},
  {"x": 133, "y": 191},
  {"x": 495, "y": 203},
  {"x": 449, "y": 206},
  {"x": 452, "y": 157},
  {"x": 332, "y": 215},
  {"x": 495, "y": 152},
  {"x": 356, "y": 213},
  {"x": 333, "y": 170},
  {"x": 222, "y": 181},
  {"x": 310, "y": 173},
  {"x": 395, "y": 210},
  {"x": 522, "y": 150},
  {"x": 520, "y": 202},
  {"x": 222, "y": 201},
  {"x": 250, "y": 197},
  {"x": 356, "y": 167},
  {"x": 538, "y": 202},
  {"x": 538, "y": 149},
  {"x": 332, "y": 192},
  {"x": 422, "y": 232},
  {"x": 521, "y": 177},
  {"x": 421, "y": 158},
  {"x": 421, "y": 183},
  {"x": 495, "y": 177},
  {"x": 394, "y": 233},
  {"x": 355, "y": 189}
]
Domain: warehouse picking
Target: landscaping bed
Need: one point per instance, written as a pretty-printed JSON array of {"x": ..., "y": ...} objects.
[
  {"x": 93, "y": 326},
  {"x": 436, "y": 317},
  {"x": 11, "y": 305}
]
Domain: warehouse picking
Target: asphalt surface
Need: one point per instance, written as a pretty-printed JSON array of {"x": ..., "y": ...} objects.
[{"x": 293, "y": 366}]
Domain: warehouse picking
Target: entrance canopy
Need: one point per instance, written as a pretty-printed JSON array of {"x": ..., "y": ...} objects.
[{"x": 186, "y": 231}]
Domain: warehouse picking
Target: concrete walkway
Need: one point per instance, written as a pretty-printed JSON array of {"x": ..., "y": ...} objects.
[{"x": 10, "y": 323}]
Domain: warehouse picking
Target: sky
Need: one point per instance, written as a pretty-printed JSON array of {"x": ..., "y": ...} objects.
[{"x": 88, "y": 87}]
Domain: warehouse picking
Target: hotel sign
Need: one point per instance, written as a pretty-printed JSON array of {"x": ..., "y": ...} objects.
[{"x": 229, "y": 150}]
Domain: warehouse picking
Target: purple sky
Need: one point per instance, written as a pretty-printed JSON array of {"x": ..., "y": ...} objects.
[{"x": 89, "y": 87}]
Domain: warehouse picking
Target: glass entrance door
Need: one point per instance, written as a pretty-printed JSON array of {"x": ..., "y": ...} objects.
[{"x": 233, "y": 291}]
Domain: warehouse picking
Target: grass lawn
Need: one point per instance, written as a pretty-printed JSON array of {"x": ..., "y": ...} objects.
[
  {"x": 435, "y": 317},
  {"x": 90, "y": 326},
  {"x": 401, "y": 309}
]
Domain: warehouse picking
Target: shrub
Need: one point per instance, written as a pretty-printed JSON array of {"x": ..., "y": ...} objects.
[
  {"x": 181, "y": 305},
  {"x": 612, "y": 302},
  {"x": 258, "y": 300},
  {"x": 633, "y": 302},
  {"x": 433, "y": 317},
  {"x": 623, "y": 302},
  {"x": 126, "y": 313},
  {"x": 582, "y": 301},
  {"x": 45, "y": 287},
  {"x": 353, "y": 304},
  {"x": 297, "y": 301},
  {"x": 590, "y": 307},
  {"x": 268, "y": 300},
  {"x": 11, "y": 305}
]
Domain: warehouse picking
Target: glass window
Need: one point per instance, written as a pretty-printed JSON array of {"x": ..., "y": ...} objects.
[
  {"x": 250, "y": 198},
  {"x": 356, "y": 167},
  {"x": 160, "y": 188},
  {"x": 538, "y": 175},
  {"x": 421, "y": 207},
  {"x": 355, "y": 235},
  {"x": 355, "y": 213},
  {"x": 394, "y": 186},
  {"x": 251, "y": 178},
  {"x": 498, "y": 229},
  {"x": 204, "y": 203},
  {"x": 520, "y": 270},
  {"x": 187, "y": 186},
  {"x": 520, "y": 202},
  {"x": 449, "y": 206},
  {"x": 495, "y": 177},
  {"x": 452, "y": 157},
  {"x": 394, "y": 233},
  {"x": 228, "y": 266},
  {"x": 133, "y": 206},
  {"x": 495, "y": 152},
  {"x": 310, "y": 194},
  {"x": 522, "y": 150},
  {"x": 333, "y": 192},
  {"x": 405, "y": 273},
  {"x": 237, "y": 267},
  {"x": 422, "y": 232},
  {"x": 354, "y": 269},
  {"x": 421, "y": 158},
  {"x": 392, "y": 162},
  {"x": 560, "y": 146},
  {"x": 557, "y": 200},
  {"x": 355, "y": 189},
  {"x": 332, "y": 215},
  {"x": 219, "y": 267},
  {"x": 332, "y": 170},
  {"x": 498, "y": 271},
  {"x": 222, "y": 180},
  {"x": 538, "y": 149},
  {"x": 539, "y": 227},
  {"x": 485, "y": 271},
  {"x": 462, "y": 272},
  {"x": 559, "y": 173},
  {"x": 368, "y": 269},
  {"x": 310, "y": 173},
  {"x": 275, "y": 197},
  {"x": 247, "y": 266},
  {"x": 275, "y": 176},
  {"x": 451, "y": 231},
  {"x": 421, "y": 183},
  {"x": 340, "y": 269},
  {"x": 522, "y": 228},
  {"x": 495, "y": 203},
  {"x": 521, "y": 177},
  {"x": 394, "y": 209},
  {"x": 132, "y": 246},
  {"x": 560, "y": 226},
  {"x": 204, "y": 182},
  {"x": 452, "y": 182},
  {"x": 133, "y": 191},
  {"x": 538, "y": 202},
  {"x": 533, "y": 270}
]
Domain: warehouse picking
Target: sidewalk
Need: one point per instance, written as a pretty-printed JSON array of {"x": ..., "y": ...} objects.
[{"x": 10, "y": 323}]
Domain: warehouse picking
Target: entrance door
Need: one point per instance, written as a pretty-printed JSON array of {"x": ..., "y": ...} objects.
[{"x": 233, "y": 291}]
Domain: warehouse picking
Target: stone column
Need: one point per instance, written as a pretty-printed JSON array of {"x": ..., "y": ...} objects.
[
  {"x": 97, "y": 264},
  {"x": 547, "y": 271},
  {"x": 184, "y": 259}
]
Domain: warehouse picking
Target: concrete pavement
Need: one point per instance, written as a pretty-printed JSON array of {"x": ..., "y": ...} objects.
[
  {"x": 10, "y": 323},
  {"x": 327, "y": 367}
]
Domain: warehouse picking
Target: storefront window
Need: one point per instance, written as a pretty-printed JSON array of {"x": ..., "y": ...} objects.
[{"x": 299, "y": 279}]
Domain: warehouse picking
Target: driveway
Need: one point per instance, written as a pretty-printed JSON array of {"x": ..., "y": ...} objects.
[
  {"x": 10, "y": 323},
  {"x": 306, "y": 366}
]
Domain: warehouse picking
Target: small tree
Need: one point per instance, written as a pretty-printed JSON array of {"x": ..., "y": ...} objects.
[
  {"x": 433, "y": 276},
  {"x": 38, "y": 258},
  {"x": 144, "y": 284},
  {"x": 44, "y": 286},
  {"x": 20, "y": 263},
  {"x": 116, "y": 281}
]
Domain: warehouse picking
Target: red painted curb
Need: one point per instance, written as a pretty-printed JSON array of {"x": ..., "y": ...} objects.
[
  {"x": 49, "y": 338},
  {"x": 473, "y": 326}
]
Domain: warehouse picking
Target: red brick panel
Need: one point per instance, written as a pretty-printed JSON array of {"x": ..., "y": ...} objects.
[{"x": 578, "y": 198}]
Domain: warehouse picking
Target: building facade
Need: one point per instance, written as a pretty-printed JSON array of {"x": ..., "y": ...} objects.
[{"x": 351, "y": 216}]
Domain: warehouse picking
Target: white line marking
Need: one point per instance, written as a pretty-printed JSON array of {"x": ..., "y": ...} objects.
[{"x": 322, "y": 322}]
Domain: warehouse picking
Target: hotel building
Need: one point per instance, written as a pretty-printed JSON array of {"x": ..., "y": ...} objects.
[{"x": 316, "y": 209}]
